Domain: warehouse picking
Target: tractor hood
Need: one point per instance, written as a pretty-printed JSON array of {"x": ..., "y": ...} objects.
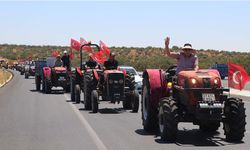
[
  {"x": 206, "y": 78},
  {"x": 60, "y": 69}
]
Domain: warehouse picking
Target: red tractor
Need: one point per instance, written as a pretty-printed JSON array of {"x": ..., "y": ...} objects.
[
  {"x": 112, "y": 85},
  {"x": 78, "y": 77},
  {"x": 190, "y": 96},
  {"x": 55, "y": 77}
]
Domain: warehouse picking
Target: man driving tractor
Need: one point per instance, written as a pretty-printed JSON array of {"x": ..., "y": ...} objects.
[
  {"x": 187, "y": 59},
  {"x": 91, "y": 63},
  {"x": 66, "y": 60},
  {"x": 111, "y": 63},
  {"x": 58, "y": 62}
]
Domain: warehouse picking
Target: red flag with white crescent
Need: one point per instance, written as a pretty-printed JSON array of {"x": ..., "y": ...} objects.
[
  {"x": 99, "y": 57},
  {"x": 237, "y": 76},
  {"x": 55, "y": 53},
  {"x": 75, "y": 44},
  {"x": 104, "y": 48},
  {"x": 86, "y": 48},
  {"x": 71, "y": 55}
]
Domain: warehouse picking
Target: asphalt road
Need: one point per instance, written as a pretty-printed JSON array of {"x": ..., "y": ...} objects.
[{"x": 30, "y": 120}]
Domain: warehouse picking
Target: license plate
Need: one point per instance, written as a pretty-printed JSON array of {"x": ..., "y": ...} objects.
[
  {"x": 208, "y": 97},
  {"x": 61, "y": 78}
]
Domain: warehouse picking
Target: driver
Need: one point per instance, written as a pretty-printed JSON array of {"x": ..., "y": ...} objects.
[
  {"x": 111, "y": 63},
  {"x": 186, "y": 59},
  {"x": 58, "y": 62},
  {"x": 91, "y": 63}
]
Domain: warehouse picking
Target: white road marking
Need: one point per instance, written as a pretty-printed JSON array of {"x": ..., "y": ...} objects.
[{"x": 90, "y": 130}]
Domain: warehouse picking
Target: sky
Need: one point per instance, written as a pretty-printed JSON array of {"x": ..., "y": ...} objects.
[{"x": 220, "y": 25}]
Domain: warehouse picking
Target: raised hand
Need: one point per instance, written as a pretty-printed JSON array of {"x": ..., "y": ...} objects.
[{"x": 167, "y": 41}]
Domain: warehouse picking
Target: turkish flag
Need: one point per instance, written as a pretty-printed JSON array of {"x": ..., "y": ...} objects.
[
  {"x": 86, "y": 48},
  {"x": 75, "y": 44},
  {"x": 98, "y": 57},
  {"x": 237, "y": 76},
  {"x": 55, "y": 53},
  {"x": 104, "y": 48},
  {"x": 71, "y": 55}
]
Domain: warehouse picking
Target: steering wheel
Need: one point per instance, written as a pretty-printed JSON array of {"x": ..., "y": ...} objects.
[{"x": 172, "y": 68}]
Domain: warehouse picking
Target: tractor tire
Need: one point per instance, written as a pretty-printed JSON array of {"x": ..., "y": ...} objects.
[
  {"x": 47, "y": 86},
  {"x": 210, "y": 126},
  {"x": 89, "y": 86},
  {"x": 126, "y": 103},
  {"x": 26, "y": 76},
  {"x": 149, "y": 112},
  {"x": 77, "y": 93},
  {"x": 168, "y": 119},
  {"x": 38, "y": 83},
  {"x": 43, "y": 86},
  {"x": 94, "y": 101},
  {"x": 135, "y": 101},
  {"x": 72, "y": 89},
  {"x": 235, "y": 120},
  {"x": 67, "y": 89},
  {"x": 130, "y": 81}
]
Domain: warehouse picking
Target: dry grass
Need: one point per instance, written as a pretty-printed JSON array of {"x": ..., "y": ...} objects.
[{"x": 4, "y": 75}]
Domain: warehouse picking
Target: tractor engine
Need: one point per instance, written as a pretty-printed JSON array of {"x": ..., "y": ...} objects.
[{"x": 114, "y": 85}]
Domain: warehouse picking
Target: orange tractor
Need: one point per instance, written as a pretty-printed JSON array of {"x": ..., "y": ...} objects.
[{"x": 191, "y": 96}]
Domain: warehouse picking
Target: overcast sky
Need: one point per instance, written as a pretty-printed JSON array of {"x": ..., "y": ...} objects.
[{"x": 223, "y": 25}]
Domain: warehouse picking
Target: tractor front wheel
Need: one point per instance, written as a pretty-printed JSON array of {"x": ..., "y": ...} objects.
[
  {"x": 135, "y": 101},
  {"x": 94, "y": 101},
  {"x": 235, "y": 122},
  {"x": 168, "y": 119},
  {"x": 77, "y": 93}
]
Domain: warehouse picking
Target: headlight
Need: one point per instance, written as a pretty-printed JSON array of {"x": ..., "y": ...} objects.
[
  {"x": 121, "y": 81},
  {"x": 110, "y": 81},
  {"x": 216, "y": 81},
  {"x": 193, "y": 81},
  {"x": 169, "y": 85}
]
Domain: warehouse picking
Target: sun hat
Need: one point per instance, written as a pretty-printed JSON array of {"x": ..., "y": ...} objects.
[{"x": 187, "y": 46}]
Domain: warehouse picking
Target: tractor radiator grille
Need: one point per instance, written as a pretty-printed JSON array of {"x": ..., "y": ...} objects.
[{"x": 206, "y": 82}]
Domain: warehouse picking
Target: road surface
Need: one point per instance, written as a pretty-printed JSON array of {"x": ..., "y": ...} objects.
[{"x": 30, "y": 120}]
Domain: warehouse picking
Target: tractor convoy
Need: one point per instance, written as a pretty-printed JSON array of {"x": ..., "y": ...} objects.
[{"x": 167, "y": 98}]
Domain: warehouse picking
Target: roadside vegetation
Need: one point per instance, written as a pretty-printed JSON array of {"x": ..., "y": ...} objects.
[
  {"x": 4, "y": 76},
  {"x": 140, "y": 58}
]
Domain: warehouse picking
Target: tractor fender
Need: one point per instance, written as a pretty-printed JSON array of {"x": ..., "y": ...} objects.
[
  {"x": 96, "y": 76},
  {"x": 124, "y": 72},
  {"x": 155, "y": 85},
  {"x": 78, "y": 70},
  {"x": 47, "y": 72}
]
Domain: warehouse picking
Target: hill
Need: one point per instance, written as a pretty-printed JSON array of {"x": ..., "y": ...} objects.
[{"x": 140, "y": 58}]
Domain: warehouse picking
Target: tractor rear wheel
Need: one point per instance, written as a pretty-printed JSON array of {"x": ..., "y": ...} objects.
[
  {"x": 94, "y": 101},
  {"x": 149, "y": 112},
  {"x": 77, "y": 93},
  {"x": 168, "y": 119},
  {"x": 235, "y": 122},
  {"x": 38, "y": 82}
]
